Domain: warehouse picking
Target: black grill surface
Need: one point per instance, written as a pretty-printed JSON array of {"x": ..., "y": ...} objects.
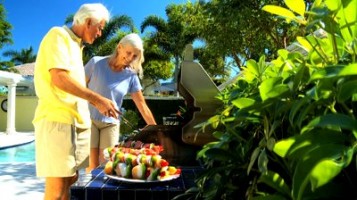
[{"x": 176, "y": 152}]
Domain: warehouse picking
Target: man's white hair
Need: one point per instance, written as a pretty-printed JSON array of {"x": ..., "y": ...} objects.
[{"x": 95, "y": 11}]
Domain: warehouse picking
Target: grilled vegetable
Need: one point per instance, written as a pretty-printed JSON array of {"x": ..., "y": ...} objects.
[
  {"x": 139, "y": 171},
  {"x": 154, "y": 173}
]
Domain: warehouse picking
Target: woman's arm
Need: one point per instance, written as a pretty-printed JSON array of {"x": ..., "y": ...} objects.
[{"x": 144, "y": 110}]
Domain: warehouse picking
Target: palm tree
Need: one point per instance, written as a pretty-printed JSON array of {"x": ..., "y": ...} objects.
[
  {"x": 111, "y": 35},
  {"x": 170, "y": 36},
  {"x": 8, "y": 66},
  {"x": 21, "y": 57},
  {"x": 5, "y": 33}
]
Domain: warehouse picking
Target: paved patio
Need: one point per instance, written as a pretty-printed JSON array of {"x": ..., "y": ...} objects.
[
  {"x": 15, "y": 139},
  {"x": 18, "y": 180}
]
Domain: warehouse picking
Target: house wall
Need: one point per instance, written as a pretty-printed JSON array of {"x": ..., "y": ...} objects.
[
  {"x": 26, "y": 105},
  {"x": 24, "y": 111}
]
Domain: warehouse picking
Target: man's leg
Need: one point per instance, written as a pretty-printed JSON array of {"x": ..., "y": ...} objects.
[{"x": 58, "y": 188}]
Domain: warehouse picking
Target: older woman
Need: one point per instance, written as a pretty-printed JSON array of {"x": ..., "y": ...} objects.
[{"x": 113, "y": 77}]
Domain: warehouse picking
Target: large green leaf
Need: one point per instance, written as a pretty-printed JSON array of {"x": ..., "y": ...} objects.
[
  {"x": 325, "y": 89},
  {"x": 346, "y": 90},
  {"x": 253, "y": 158},
  {"x": 317, "y": 3},
  {"x": 309, "y": 150},
  {"x": 303, "y": 114},
  {"x": 252, "y": 69},
  {"x": 263, "y": 162},
  {"x": 277, "y": 10},
  {"x": 347, "y": 16},
  {"x": 296, "y": 146},
  {"x": 310, "y": 160},
  {"x": 262, "y": 64},
  {"x": 219, "y": 154},
  {"x": 304, "y": 43},
  {"x": 243, "y": 102},
  {"x": 332, "y": 121},
  {"x": 273, "y": 88},
  {"x": 349, "y": 70},
  {"x": 214, "y": 121},
  {"x": 301, "y": 76},
  {"x": 333, "y": 5},
  {"x": 327, "y": 72},
  {"x": 297, "y": 6},
  {"x": 282, "y": 147},
  {"x": 274, "y": 180},
  {"x": 296, "y": 108},
  {"x": 323, "y": 172}
]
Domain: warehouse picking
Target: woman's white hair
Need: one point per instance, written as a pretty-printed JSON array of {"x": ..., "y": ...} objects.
[
  {"x": 135, "y": 41},
  {"x": 96, "y": 11}
]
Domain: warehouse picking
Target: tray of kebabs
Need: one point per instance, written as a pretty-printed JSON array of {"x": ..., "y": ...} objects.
[{"x": 138, "y": 162}]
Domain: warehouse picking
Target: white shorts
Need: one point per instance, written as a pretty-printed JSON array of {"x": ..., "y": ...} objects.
[
  {"x": 104, "y": 135},
  {"x": 61, "y": 149}
]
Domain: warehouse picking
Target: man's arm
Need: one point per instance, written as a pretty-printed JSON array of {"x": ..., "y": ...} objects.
[{"x": 63, "y": 81}]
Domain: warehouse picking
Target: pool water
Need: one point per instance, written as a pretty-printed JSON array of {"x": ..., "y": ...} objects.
[{"x": 22, "y": 153}]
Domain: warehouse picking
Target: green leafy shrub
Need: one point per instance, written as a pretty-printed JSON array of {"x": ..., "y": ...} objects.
[{"x": 290, "y": 128}]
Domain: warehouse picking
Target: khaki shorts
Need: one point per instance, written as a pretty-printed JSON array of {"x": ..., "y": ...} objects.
[
  {"x": 61, "y": 149},
  {"x": 104, "y": 135}
]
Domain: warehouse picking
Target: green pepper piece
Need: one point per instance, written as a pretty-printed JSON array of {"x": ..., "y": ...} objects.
[{"x": 153, "y": 175}]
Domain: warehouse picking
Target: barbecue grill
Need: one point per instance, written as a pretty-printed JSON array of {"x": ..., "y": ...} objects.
[{"x": 182, "y": 140}]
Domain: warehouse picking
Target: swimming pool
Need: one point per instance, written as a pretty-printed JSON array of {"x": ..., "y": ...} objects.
[{"x": 22, "y": 153}]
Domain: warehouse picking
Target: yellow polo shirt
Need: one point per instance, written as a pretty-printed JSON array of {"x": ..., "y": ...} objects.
[{"x": 61, "y": 49}]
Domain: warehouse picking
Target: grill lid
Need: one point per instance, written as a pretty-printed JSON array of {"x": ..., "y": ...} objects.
[{"x": 199, "y": 92}]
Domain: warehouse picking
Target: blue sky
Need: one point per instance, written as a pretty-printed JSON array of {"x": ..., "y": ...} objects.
[{"x": 31, "y": 19}]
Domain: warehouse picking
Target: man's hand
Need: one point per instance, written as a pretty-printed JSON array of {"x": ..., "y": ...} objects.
[
  {"x": 62, "y": 80},
  {"x": 106, "y": 107}
]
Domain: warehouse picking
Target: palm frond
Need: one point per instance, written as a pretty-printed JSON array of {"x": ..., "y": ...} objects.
[{"x": 154, "y": 21}]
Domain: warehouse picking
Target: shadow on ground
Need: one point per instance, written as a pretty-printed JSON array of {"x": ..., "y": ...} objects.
[{"x": 19, "y": 181}]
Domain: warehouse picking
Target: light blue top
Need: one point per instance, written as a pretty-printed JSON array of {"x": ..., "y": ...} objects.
[{"x": 113, "y": 85}]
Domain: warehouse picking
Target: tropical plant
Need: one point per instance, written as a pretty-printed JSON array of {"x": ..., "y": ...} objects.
[
  {"x": 290, "y": 128},
  {"x": 5, "y": 27},
  {"x": 239, "y": 29},
  {"x": 21, "y": 57},
  {"x": 5, "y": 38},
  {"x": 111, "y": 35},
  {"x": 170, "y": 36},
  {"x": 157, "y": 65},
  {"x": 8, "y": 66},
  {"x": 190, "y": 16},
  {"x": 213, "y": 63}
]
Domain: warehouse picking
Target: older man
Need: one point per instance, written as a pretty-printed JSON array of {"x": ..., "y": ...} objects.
[{"x": 62, "y": 122}]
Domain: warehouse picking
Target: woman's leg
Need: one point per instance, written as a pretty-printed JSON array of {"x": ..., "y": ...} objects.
[
  {"x": 94, "y": 148},
  {"x": 93, "y": 159},
  {"x": 109, "y": 137}
]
